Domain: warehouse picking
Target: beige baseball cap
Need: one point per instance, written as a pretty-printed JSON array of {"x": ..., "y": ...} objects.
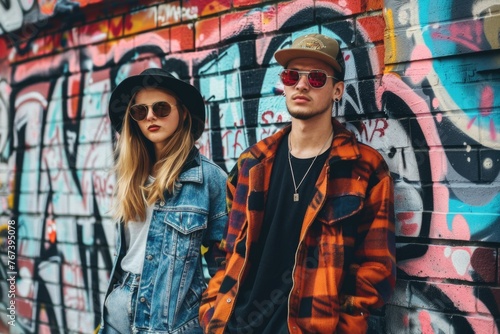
[{"x": 314, "y": 46}]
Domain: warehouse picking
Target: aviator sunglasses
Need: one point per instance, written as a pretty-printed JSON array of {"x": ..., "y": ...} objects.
[
  {"x": 316, "y": 78},
  {"x": 160, "y": 109}
]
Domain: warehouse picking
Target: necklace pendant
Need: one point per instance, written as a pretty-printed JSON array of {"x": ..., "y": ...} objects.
[{"x": 295, "y": 197}]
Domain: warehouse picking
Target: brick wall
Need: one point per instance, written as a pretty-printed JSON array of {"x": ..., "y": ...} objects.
[{"x": 422, "y": 86}]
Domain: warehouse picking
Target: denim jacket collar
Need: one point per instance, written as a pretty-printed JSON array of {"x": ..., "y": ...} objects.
[{"x": 192, "y": 171}]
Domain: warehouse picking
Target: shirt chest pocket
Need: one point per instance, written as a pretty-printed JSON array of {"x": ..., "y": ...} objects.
[
  {"x": 183, "y": 233},
  {"x": 340, "y": 208}
]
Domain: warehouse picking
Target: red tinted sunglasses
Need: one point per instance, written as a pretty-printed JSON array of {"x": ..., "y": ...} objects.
[
  {"x": 316, "y": 78},
  {"x": 160, "y": 109}
]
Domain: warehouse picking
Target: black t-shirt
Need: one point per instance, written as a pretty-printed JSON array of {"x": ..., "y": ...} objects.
[{"x": 262, "y": 302}]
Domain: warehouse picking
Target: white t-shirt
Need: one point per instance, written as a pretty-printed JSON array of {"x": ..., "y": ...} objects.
[{"x": 136, "y": 235}]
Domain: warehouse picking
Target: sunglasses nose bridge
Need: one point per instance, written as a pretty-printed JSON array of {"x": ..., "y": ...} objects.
[
  {"x": 303, "y": 74},
  {"x": 149, "y": 113}
]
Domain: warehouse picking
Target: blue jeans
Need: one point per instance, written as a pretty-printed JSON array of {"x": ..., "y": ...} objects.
[{"x": 120, "y": 305}]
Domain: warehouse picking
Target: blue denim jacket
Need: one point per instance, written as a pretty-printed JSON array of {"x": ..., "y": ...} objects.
[{"x": 172, "y": 279}]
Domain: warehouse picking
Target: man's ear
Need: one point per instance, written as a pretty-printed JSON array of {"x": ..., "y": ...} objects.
[{"x": 338, "y": 91}]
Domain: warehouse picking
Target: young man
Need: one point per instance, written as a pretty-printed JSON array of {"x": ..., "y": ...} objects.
[{"x": 310, "y": 239}]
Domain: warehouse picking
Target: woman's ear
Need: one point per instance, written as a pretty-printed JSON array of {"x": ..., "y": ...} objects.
[
  {"x": 184, "y": 114},
  {"x": 182, "y": 110}
]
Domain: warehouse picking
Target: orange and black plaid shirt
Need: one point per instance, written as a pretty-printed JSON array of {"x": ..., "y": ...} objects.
[{"x": 345, "y": 261}]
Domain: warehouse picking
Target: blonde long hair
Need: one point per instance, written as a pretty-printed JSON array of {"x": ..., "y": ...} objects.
[{"x": 135, "y": 161}]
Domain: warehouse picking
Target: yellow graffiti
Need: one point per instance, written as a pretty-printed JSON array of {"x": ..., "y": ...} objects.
[{"x": 390, "y": 41}]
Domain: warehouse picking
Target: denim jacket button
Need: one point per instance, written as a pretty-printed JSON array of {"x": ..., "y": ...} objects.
[
  {"x": 149, "y": 257},
  {"x": 162, "y": 203},
  {"x": 142, "y": 299}
]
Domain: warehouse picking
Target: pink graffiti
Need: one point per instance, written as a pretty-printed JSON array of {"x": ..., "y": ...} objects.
[
  {"x": 418, "y": 70},
  {"x": 442, "y": 262},
  {"x": 464, "y": 299},
  {"x": 467, "y": 34},
  {"x": 487, "y": 99},
  {"x": 420, "y": 107},
  {"x": 439, "y": 227},
  {"x": 409, "y": 227},
  {"x": 46, "y": 65},
  {"x": 425, "y": 322},
  {"x": 485, "y": 109}
]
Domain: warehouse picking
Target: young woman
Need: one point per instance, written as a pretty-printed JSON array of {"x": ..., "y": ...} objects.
[{"x": 170, "y": 201}]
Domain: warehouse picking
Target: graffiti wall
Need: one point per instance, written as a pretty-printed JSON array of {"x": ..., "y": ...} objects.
[{"x": 422, "y": 86}]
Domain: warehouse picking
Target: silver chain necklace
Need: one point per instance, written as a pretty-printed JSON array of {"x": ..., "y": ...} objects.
[{"x": 296, "y": 194}]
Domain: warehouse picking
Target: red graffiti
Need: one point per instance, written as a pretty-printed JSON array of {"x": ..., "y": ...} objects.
[
  {"x": 371, "y": 127},
  {"x": 268, "y": 117}
]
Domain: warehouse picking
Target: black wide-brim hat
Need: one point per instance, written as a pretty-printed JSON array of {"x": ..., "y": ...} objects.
[{"x": 157, "y": 78}]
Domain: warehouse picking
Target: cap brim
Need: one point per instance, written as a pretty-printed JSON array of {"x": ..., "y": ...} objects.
[
  {"x": 284, "y": 56},
  {"x": 189, "y": 95}
]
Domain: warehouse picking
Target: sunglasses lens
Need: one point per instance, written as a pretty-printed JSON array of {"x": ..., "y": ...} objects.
[
  {"x": 289, "y": 77},
  {"x": 138, "y": 111},
  {"x": 162, "y": 109},
  {"x": 317, "y": 79}
]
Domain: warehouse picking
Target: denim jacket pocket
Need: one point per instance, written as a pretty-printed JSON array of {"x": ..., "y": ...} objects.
[
  {"x": 184, "y": 232},
  {"x": 186, "y": 221}
]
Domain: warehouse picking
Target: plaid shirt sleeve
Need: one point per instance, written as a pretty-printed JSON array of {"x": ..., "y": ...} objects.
[
  {"x": 373, "y": 271},
  {"x": 222, "y": 252}
]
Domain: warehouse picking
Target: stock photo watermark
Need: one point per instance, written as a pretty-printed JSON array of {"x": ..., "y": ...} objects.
[{"x": 11, "y": 272}]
